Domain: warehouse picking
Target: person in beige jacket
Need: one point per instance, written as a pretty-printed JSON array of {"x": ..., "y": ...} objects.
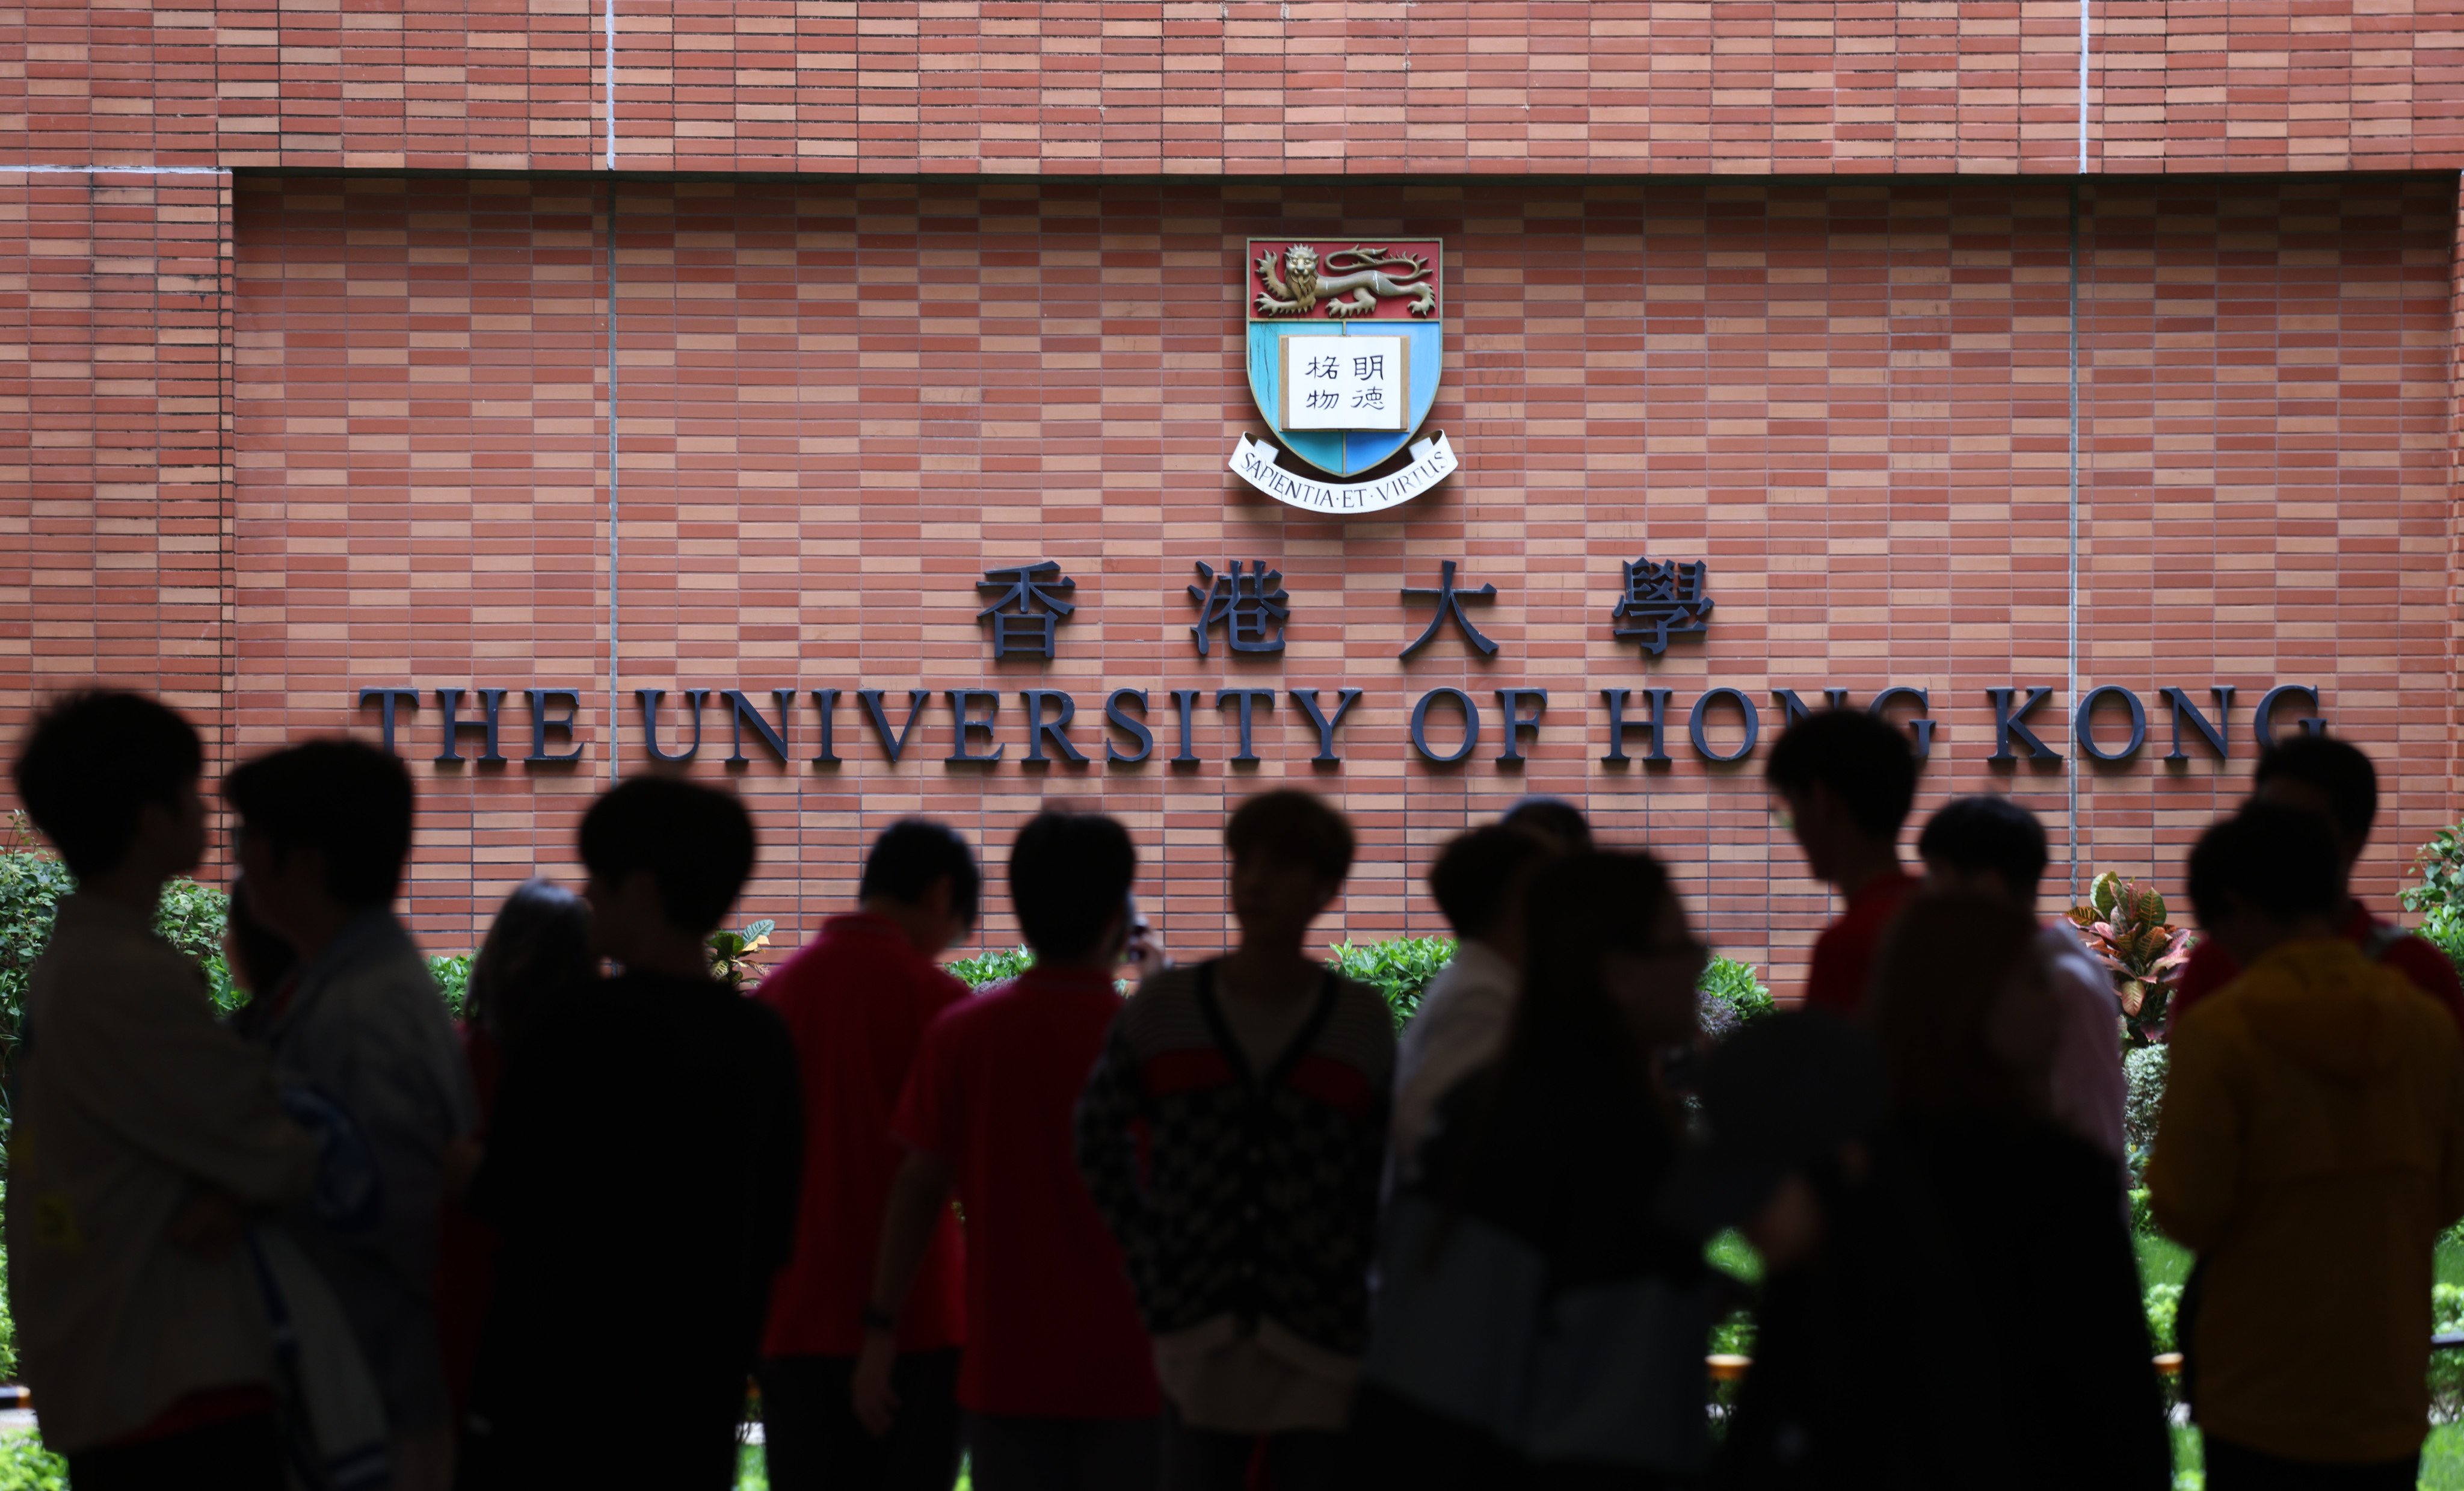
[
  {"x": 144, "y": 1134},
  {"x": 2311, "y": 1150},
  {"x": 1463, "y": 1016}
]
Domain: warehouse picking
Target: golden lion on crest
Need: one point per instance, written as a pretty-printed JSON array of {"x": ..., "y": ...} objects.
[{"x": 1359, "y": 273}]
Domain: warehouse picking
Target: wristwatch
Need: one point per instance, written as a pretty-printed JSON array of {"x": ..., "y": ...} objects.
[{"x": 875, "y": 1318}]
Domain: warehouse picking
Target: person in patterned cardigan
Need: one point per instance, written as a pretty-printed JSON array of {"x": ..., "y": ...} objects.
[{"x": 1233, "y": 1135}]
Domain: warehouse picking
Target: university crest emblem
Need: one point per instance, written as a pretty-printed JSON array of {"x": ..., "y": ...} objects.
[{"x": 1345, "y": 346}]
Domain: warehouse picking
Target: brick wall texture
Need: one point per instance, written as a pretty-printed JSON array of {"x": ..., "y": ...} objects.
[
  {"x": 1243, "y": 87},
  {"x": 329, "y": 345}
]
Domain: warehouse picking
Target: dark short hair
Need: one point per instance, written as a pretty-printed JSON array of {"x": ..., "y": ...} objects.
[
  {"x": 696, "y": 841},
  {"x": 2278, "y": 861},
  {"x": 1552, "y": 819},
  {"x": 1478, "y": 874},
  {"x": 1988, "y": 833},
  {"x": 344, "y": 798},
  {"x": 91, "y": 761},
  {"x": 1577, "y": 909},
  {"x": 910, "y": 854},
  {"x": 1940, "y": 974},
  {"x": 1069, "y": 876},
  {"x": 537, "y": 952},
  {"x": 1864, "y": 761},
  {"x": 1292, "y": 827},
  {"x": 2337, "y": 768}
]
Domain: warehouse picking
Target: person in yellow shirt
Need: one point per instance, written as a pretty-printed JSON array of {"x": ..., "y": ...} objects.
[{"x": 2311, "y": 1150}]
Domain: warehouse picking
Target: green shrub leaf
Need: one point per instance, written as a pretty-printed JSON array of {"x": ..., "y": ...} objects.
[{"x": 991, "y": 968}]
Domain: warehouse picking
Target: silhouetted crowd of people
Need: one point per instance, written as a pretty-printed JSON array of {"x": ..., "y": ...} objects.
[{"x": 1229, "y": 1233}]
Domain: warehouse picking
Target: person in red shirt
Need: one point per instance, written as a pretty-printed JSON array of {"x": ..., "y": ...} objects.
[
  {"x": 1846, "y": 779},
  {"x": 2331, "y": 777},
  {"x": 1058, "y": 1378},
  {"x": 857, "y": 1002}
]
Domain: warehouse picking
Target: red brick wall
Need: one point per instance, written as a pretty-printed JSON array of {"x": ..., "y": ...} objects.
[
  {"x": 838, "y": 403},
  {"x": 421, "y": 443},
  {"x": 113, "y": 496},
  {"x": 2261, "y": 484},
  {"x": 1852, "y": 395},
  {"x": 1252, "y": 87}
]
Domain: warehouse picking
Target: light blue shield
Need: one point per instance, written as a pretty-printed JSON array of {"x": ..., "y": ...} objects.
[{"x": 1344, "y": 454}]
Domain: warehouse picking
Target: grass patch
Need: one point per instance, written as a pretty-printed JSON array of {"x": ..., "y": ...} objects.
[
  {"x": 2188, "y": 1475},
  {"x": 751, "y": 1475},
  {"x": 2442, "y": 1460},
  {"x": 2442, "y": 1457},
  {"x": 2164, "y": 1261}
]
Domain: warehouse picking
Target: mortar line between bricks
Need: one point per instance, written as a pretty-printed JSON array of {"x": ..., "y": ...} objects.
[
  {"x": 608, "y": 91},
  {"x": 114, "y": 171},
  {"x": 2083, "y": 85},
  {"x": 607, "y": 94},
  {"x": 615, "y": 710},
  {"x": 227, "y": 457},
  {"x": 2070, "y": 700}
]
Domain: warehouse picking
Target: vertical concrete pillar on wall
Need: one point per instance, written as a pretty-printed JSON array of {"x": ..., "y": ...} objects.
[
  {"x": 2071, "y": 623},
  {"x": 225, "y": 553},
  {"x": 615, "y": 635},
  {"x": 2455, "y": 512}
]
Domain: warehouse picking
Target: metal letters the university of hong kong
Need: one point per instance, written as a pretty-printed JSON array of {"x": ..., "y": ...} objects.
[
  {"x": 1722, "y": 724},
  {"x": 1346, "y": 348},
  {"x": 1245, "y": 602}
]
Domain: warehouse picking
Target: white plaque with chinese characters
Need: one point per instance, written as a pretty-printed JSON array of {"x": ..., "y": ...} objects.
[{"x": 1349, "y": 382}]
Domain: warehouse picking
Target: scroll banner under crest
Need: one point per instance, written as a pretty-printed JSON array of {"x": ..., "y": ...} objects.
[{"x": 1433, "y": 461}]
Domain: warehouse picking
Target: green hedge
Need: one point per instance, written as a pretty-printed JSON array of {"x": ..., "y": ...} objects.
[
  {"x": 2439, "y": 897},
  {"x": 1732, "y": 995},
  {"x": 991, "y": 968},
  {"x": 2144, "y": 1070},
  {"x": 25, "y": 1465},
  {"x": 33, "y": 880},
  {"x": 32, "y": 884},
  {"x": 1402, "y": 968}
]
